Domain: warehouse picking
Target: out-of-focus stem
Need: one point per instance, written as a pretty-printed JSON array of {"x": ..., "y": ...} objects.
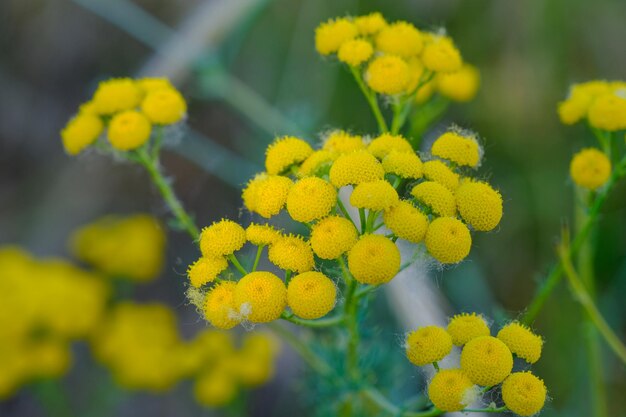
[
  {"x": 371, "y": 99},
  {"x": 325, "y": 322}
]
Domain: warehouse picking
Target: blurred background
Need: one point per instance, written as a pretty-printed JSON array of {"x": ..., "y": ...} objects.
[{"x": 250, "y": 72}]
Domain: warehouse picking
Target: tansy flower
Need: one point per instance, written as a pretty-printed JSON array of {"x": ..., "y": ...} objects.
[
  {"x": 479, "y": 205},
  {"x": 117, "y": 94},
  {"x": 129, "y": 130},
  {"x": 261, "y": 296},
  {"x": 523, "y": 393},
  {"x": 310, "y": 199},
  {"x": 311, "y": 295},
  {"x": 406, "y": 221},
  {"x": 375, "y": 195},
  {"x": 448, "y": 240},
  {"x": 205, "y": 270},
  {"x": 403, "y": 164},
  {"x": 261, "y": 234},
  {"x": 222, "y": 238},
  {"x": 580, "y": 97},
  {"x": 388, "y": 74},
  {"x": 285, "y": 152},
  {"x": 215, "y": 388},
  {"x": 451, "y": 390},
  {"x": 88, "y": 107},
  {"x": 266, "y": 194},
  {"x": 291, "y": 253},
  {"x": 220, "y": 308},
  {"x": 590, "y": 168},
  {"x": 385, "y": 143},
  {"x": 149, "y": 84},
  {"x": 355, "y": 168},
  {"x": 374, "y": 260},
  {"x": 341, "y": 141},
  {"x": 441, "y": 55},
  {"x": 400, "y": 38},
  {"x": 318, "y": 162},
  {"x": 460, "y": 149},
  {"x": 438, "y": 171},
  {"x": 521, "y": 341},
  {"x": 486, "y": 360},
  {"x": 164, "y": 106},
  {"x": 330, "y": 35},
  {"x": 332, "y": 236},
  {"x": 355, "y": 52},
  {"x": 437, "y": 197},
  {"x": 465, "y": 327},
  {"x": 428, "y": 345},
  {"x": 370, "y": 24},
  {"x": 460, "y": 85},
  {"x": 608, "y": 111},
  {"x": 80, "y": 132}
]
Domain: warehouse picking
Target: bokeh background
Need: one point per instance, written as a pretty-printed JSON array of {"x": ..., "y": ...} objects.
[{"x": 250, "y": 72}]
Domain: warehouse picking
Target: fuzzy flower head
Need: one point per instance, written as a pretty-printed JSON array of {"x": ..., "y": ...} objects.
[
  {"x": 465, "y": 327},
  {"x": 219, "y": 308},
  {"x": 205, "y": 270},
  {"x": 608, "y": 111},
  {"x": 291, "y": 253},
  {"x": 311, "y": 295},
  {"x": 150, "y": 84},
  {"x": 370, "y": 24},
  {"x": 441, "y": 173},
  {"x": 590, "y": 168},
  {"x": 80, "y": 132},
  {"x": 441, "y": 55},
  {"x": 266, "y": 194},
  {"x": 403, "y": 164},
  {"x": 382, "y": 145},
  {"x": 523, "y": 393},
  {"x": 340, "y": 141},
  {"x": 310, "y": 199},
  {"x": 318, "y": 162},
  {"x": 479, "y": 205},
  {"x": 355, "y": 168},
  {"x": 116, "y": 95},
  {"x": 333, "y": 236},
  {"x": 579, "y": 99},
  {"x": 129, "y": 130},
  {"x": 438, "y": 198},
  {"x": 285, "y": 152},
  {"x": 448, "y": 240},
  {"x": 463, "y": 150},
  {"x": 376, "y": 195},
  {"x": 355, "y": 52},
  {"x": 222, "y": 238},
  {"x": 427, "y": 345},
  {"x": 461, "y": 85},
  {"x": 451, "y": 390},
  {"x": 261, "y": 296},
  {"x": 216, "y": 388},
  {"x": 401, "y": 39},
  {"x": 521, "y": 341},
  {"x": 374, "y": 260},
  {"x": 486, "y": 360},
  {"x": 164, "y": 106},
  {"x": 406, "y": 221},
  {"x": 388, "y": 74},
  {"x": 262, "y": 234},
  {"x": 330, "y": 35}
]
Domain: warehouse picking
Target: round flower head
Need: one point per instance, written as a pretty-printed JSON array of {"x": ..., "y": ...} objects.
[
  {"x": 266, "y": 194},
  {"x": 150, "y": 84},
  {"x": 400, "y": 38},
  {"x": 318, "y": 161},
  {"x": 385, "y": 143},
  {"x": 117, "y": 95},
  {"x": 80, "y": 132},
  {"x": 580, "y": 97},
  {"x": 451, "y": 390},
  {"x": 342, "y": 142},
  {"x": 355, "y": 168},
  {"x": 261, "y": 234},
  {"x": 129, "y": 130},
  {"x": 165, "y": 106},
  {"x": 311, "y": 295},
  {"x": 448, "y": 240},
  {"x": 465, "y": 327},
  {"x": 608, "y": 112},
  {"x": 403, "y": 164},
  {"x": 523, "y": 393},
  {"x": 521, "y": 341},
  {"x": 460, "y": 85},
  {"x": 291, "y": 253},
  {"x": 215, "y": 388},
  {"x": 462, "y": 150},
  {"x": 205, "y": 270},
  {"x": 406, "y": 222},
  {"x": 220, "y": 307},
  {"x": 590, "y": 168},
  {"x": 375, "y": 195},
  {"x": 261, "y": 296},
  {"x": 330, "y": 35},
  {"x": 310, "y": 199},
  {"x": 355, "y": 52},
  {"x": 437, "y": 197},
  {"x": 388, "y": 74},
  {"x": 285, "y": 152},
  {"x": 333, "y": 236},
  {"x": 222, "y": 238},
  {"x": 370, "y": 24},
  {"x": 479, "y": 205},
  {"x": 441, "y": 55},
  {"x": 440, "y": 172},
  {"x": 88, "y": 107},
  {"x": 427, "y": 345},
  {"x": 374, "y": 260},
  {"x": 486, "y": 361}
]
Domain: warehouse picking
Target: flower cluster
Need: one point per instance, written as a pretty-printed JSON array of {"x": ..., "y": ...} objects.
[
  {"x": 128, "y": 110},
  {"x": 430, "y": 199},
  {"x": 397, "y": 58},
  {"x": 602, "y": 103},
  {"x": 486, "y": 361}
]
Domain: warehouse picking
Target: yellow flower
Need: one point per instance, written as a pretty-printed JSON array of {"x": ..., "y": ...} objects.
[
  {"x": 374, "y": 259},
  {"x": 486, "y": 361},
  {"x": 460, "y": 85},
  {"x": 330, "y": 35},
  {"x": 215, "y": 388},
  {"x": 291, "y": 253},
  {"x": 406, "y": 222},
  {"x": 451, "y": 390},
  {"x": 388, "y": 74},
  {"x": 370, "y": 24},
  {"x": 608, "y": 111},
  {"x": 222, "y": 238},
  {"x": 261, "y": 296},
  {"x": 400, "y": 38},
  {"x": 580, "y": 97},
  {"x": 80, "y": 132},
  {"x": 440, "y": 172},
  {"x": 479, "y": 205},
  {"x": 521, "y": 341},
  {"x": 355, "y": 168},
  {"x": 262, "y": 234},
  {"x": 465, "y": 327},
  {"x": 311, "y": 295},
  {"x": 460, "y": 149},
  {"x": 341, "y": 141},
  {"x": 403, "y": 164},
  {"x": 266, "y": 194},
  {"x": 318, "y": 161},
  {"x": 117, "y": 94},
  {"x": 129, "y": 130},
  {"x": 427, "y": 345},
  {"x": 164, "y": 106},
  {"x": 523, "y": 393},
  {"x": 381, "y": 146},
  {"x": 333, "y": 236},
  {"x": 285, "y": 152},
  {"x": 150, "y": 84},
  {"x": 220, "y": 308},
  {"x": 375, "y": 195},
  {"x": 310, "y": 199},
  {"x": 590, "y": 168},
  {"x": 355, "y": 52},
  {"x": 448, "y": 240},
  {"x": 437, "y": 197},
  {"x": 441, "y": 55},
  {"x": 205, "y": 270}
]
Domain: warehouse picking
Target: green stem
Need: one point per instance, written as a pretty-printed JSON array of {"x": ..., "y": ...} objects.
[
  {"x": 233, "y": 259},
  {"x": 325, "y": 322},
  {"x": 287, "y": 277},
  {"x": 371, "y": 99},
  {"x": 363, "y": 220},
  {"x": 372, "y": 215},
  {"x": 53, "y": 397},
  {"x": 436, "y": 366},
  {"x": 259, "y": 251}
]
